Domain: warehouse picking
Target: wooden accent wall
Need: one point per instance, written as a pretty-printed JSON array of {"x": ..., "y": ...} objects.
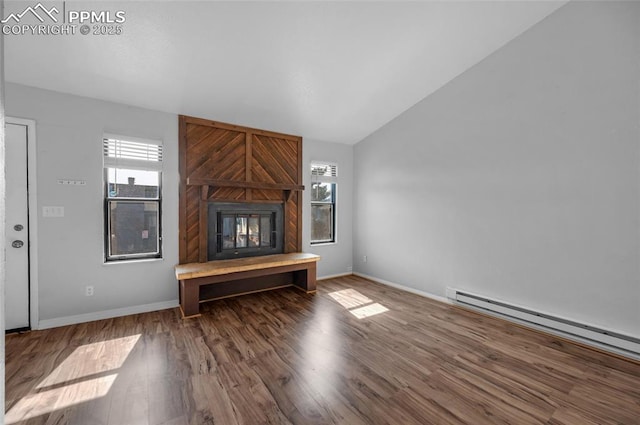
[{"x": 230, "y": 163}]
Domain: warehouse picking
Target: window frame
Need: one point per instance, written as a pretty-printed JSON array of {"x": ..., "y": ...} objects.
[
  {"x": 331, "y": 180},
  {"x": 128, "y": 164}
]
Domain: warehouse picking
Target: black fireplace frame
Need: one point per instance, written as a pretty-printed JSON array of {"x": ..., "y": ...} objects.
[{"x": 215, "y": 250}]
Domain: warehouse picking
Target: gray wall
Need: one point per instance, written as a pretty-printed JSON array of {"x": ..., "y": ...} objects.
[
  {"x": 69, "y": 132},
  {"x": 336, "y": 257},
  {"x": 519, "y": 179}
]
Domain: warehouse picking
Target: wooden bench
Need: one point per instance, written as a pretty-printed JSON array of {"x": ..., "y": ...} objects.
[{"x": 238, "y": 276}]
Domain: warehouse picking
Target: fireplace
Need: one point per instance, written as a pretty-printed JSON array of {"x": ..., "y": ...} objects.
[{"x": 238, "y": 229}]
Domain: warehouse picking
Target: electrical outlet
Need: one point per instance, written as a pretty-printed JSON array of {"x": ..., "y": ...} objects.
[
  {"x": 349, "y": 268},
  {"x": 364, "y": 259},
  {"x": 88, "y": 291}
]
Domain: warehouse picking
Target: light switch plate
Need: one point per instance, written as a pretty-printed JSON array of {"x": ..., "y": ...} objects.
[
  {"x": 53, "y": 211},
  {"x": 67, "y": 182}
]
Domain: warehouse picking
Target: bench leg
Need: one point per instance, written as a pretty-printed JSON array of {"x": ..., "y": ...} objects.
[
  {"x": 189, "y": 299},
  {"x": 306, "y": 278},
  {"x": 311, "y": 277}
]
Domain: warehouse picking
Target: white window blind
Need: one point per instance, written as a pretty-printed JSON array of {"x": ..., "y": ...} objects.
[
  {"x": 324, "y": 172},
  {"x": 136, "y": 154}
]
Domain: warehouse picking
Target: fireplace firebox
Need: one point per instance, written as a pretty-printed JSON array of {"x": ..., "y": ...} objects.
[{"x": 244, "y": 230}]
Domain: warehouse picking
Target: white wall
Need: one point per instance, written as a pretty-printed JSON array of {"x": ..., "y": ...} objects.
[
  {"x": 69, "y": 132},
  {"x": 520, "y": 179},
  {"x": 336, "y": 257}
]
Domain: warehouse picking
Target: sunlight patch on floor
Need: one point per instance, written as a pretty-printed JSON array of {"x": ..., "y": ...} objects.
[
  {"x": 358, "y": 304},
  {"x": 349, "y": 298},
  {"x": 368, "y": 310},
  {"x": 43, "y": 402},
  {"x": 91, "y": 359},
  {"x": 86, "y": 374}
]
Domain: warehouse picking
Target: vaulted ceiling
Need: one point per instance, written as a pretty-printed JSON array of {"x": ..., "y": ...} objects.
[{"x": 331, "y": 71}]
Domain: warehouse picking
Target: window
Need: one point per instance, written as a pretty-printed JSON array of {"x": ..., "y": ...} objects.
[
  {"x": 323, "y": 202},
  {"x": 133, "y": 193}
]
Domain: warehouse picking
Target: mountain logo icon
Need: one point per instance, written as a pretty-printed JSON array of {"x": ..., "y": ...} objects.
[{"x": 39, "y": 11}]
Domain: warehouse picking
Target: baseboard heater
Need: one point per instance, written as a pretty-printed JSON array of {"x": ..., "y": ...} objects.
[{"x": 613, "y": 341}]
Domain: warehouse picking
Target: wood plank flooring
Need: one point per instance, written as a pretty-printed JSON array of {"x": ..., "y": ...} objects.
[{"x": 355, "y": 353}]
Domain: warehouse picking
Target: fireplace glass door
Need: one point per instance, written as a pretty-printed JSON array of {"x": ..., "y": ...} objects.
[
  {"x": 247, "y": 230},
  {"x": 244, "y": 230}
]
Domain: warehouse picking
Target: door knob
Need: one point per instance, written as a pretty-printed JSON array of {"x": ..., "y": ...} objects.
[
  {"x": 17, "y": 244},
  {"x": 18, "y": 227}
]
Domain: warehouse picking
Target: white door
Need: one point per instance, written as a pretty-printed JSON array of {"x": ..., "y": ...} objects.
[{"x": 17, "y": 228}]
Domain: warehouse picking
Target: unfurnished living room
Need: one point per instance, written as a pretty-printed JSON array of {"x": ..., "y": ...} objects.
[{"x": 314, "y": 212}]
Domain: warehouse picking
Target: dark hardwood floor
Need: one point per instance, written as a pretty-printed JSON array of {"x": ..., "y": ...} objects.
[{"x": 355, "y": 353}]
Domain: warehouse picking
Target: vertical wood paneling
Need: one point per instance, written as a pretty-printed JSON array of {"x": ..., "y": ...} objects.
[
  {"x": 213, "y": 150},
  {"x": 229, "y": 193},
  {"x": 267, "y": 195},
  {"x": 292, "y": 238},
  {"x": 203, "y": 223},
  {"x": 248, "y": 156},
  {"x": 299, "y": 199},
  {"x": 183, "y": 250},
  {"x": 192, "y": 225}
]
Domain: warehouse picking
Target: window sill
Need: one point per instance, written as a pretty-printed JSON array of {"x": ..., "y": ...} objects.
[
  {"x": 322, "y": 243},
  {"x": 132, "y": 261}
]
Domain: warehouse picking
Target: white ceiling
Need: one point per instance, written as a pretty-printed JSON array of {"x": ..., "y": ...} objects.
[{"x": 331, "y": 71}]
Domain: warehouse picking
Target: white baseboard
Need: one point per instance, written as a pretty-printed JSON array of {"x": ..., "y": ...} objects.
[
  {"x": 451, "y": 299},
  {"x": 105, "y": 314},
  {"x": 585, "y": 333},
  {"x": 405, "y": 288},
  {"x": 331, "y": 276}
]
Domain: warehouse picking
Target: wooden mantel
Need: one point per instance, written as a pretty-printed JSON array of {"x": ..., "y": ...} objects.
[
  {"x": 207, "y": 184},
  {"x": 248, "y": 185}
]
